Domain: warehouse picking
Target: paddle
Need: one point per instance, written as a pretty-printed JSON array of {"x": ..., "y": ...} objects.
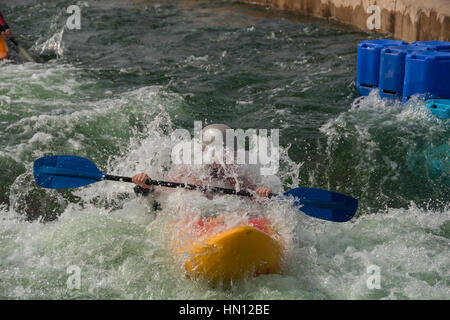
[
  {"x": 64, "y": 172},
  {"x": 22, "y": 51}
]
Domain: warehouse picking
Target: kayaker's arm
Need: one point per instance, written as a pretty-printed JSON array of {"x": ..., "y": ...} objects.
[
  {"x": 4, "y": 28},
  {"x": 141, "y": 178}
]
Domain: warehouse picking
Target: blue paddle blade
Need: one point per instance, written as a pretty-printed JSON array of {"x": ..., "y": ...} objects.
[
  {"x": 323, "y": 204},
  {"x": 64, "y": 172}
]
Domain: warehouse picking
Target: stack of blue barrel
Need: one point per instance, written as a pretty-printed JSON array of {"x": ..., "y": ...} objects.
[{"x": 400, "y": 70}]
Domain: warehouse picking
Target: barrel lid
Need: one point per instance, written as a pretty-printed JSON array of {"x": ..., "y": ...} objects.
[
  {"x": 426, "y": 54},
  {"x": 433, "y": 45},
  {"x": 381, "y": 43}
]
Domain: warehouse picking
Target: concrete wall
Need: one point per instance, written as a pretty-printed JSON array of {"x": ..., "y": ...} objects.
[{"x": 408, "y": 20}]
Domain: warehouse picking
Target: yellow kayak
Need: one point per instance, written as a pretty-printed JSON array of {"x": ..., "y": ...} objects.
[
  {"x": 231, "y": 254},
  {"x": 3, "y": 49}
]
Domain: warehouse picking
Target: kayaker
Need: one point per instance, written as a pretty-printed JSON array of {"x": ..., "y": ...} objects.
[
  {"x": 216, "y": 174},
  {"x": 4, "y": 28}
]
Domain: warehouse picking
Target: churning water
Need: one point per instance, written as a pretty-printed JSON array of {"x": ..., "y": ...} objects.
[{"x": 114, "y": 92}]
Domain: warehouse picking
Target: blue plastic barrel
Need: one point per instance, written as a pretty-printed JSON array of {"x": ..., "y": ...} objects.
[
  {"x": 368, "y": 65},
  {"x": 392, "y": 71},
  {"x": 427, "y": 73},
  {"x": 433, "y": 45},
  {"x": 439, "y": 107}
]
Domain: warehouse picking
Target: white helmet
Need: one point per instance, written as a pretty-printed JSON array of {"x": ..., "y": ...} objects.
[{"x": 216, "y": 131}]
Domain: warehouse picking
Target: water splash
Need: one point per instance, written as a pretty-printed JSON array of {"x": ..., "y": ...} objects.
[
  {"x": 371, "y": 146},
  {"x": 52, "y": 46}
]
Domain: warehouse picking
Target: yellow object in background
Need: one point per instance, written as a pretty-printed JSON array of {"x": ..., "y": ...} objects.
[{"x": 3, "y": 49}]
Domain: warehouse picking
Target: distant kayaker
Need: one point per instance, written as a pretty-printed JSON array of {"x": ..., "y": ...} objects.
[
  {"x": 4, "y": 28},
  {"x": 216, "y": 174}
]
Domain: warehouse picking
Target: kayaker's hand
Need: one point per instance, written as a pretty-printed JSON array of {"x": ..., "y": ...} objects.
[
  {"x": 263, "y": 192},
  {"x": 140, "y": 179},
  {"x": 8, "y": 34}
]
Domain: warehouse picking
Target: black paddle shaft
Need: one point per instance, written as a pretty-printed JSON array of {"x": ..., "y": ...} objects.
[
  {"x": 182, "y": 185},
  {"x": 14, "y": 41}
]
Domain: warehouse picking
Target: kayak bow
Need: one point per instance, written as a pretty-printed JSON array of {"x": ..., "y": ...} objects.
[{"x": 227, "y": 255}]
